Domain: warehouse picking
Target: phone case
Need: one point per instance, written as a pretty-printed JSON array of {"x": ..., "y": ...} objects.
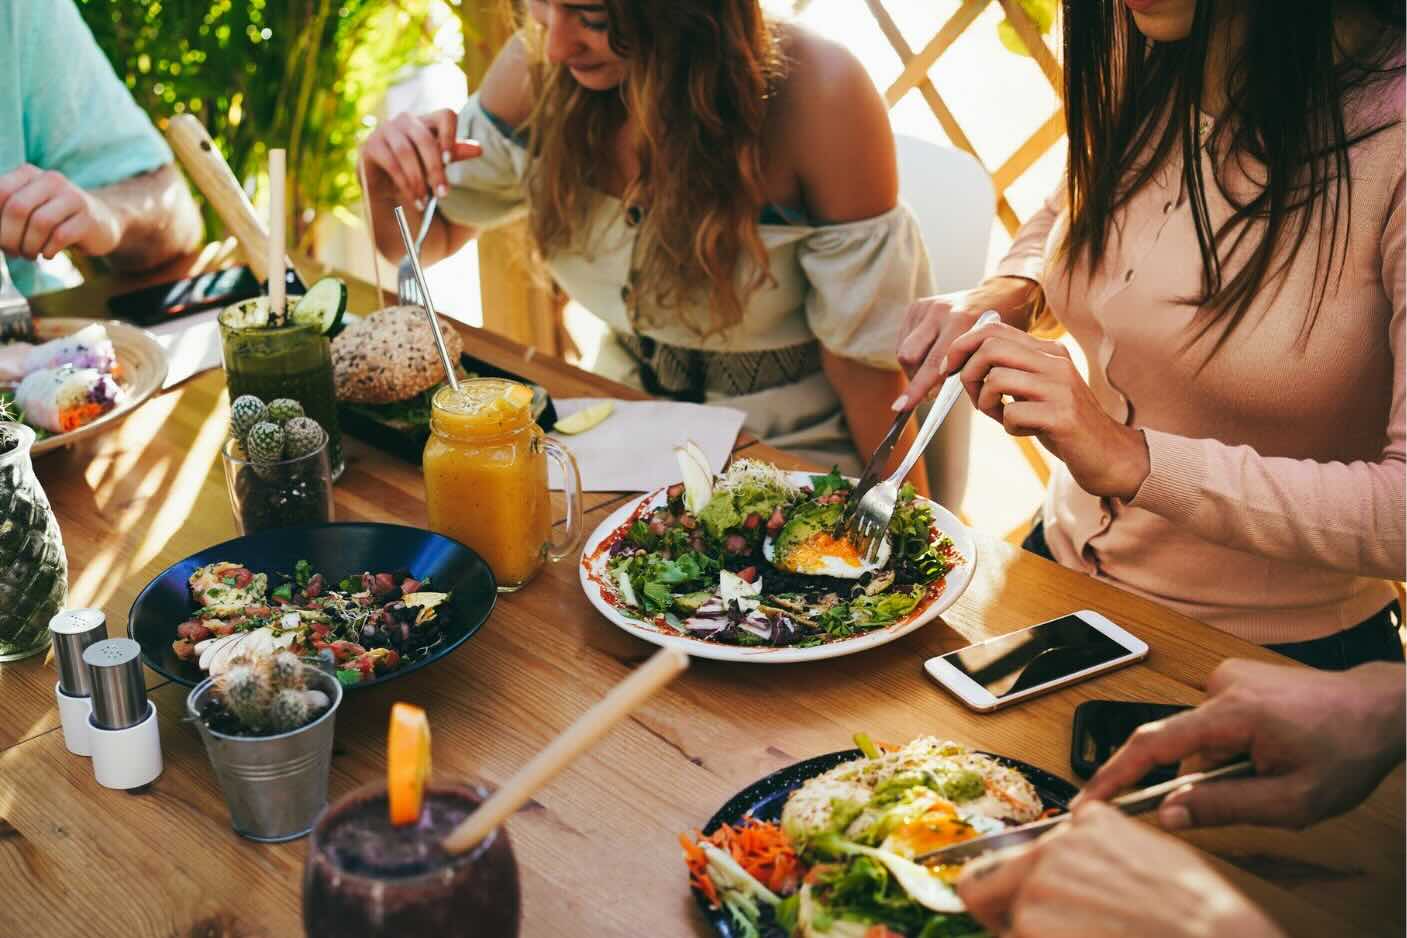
[{"x": 1100, "y": 727}]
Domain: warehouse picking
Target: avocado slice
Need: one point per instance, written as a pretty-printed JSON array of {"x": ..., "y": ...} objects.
[
  {"x": 686, "y": 604},
  {"x": 805, "y": 522}
]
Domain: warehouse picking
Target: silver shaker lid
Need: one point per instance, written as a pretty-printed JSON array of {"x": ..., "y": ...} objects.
[
  {"x": 73, "y": 631},
  {"x": 119, "y": 694}
]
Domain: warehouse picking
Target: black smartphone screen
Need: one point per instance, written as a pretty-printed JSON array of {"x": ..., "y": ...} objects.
[
  {"x": 1035, "y": 656},
  {"x": 154, "y": 305},
  {"x": 1102, "y": 726}
]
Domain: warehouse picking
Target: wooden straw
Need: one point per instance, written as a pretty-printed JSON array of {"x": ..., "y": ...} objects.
[
  {"x": 276, "y": 237},
  {"x": 624, "y": 699}
]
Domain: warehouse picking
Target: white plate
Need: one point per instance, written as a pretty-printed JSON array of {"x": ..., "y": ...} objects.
[
  {"x": 955, "y": 582},
  {"x": 143, "y": 372}
]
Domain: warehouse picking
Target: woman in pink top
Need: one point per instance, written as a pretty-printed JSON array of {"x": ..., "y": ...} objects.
[{"x": 1227, "y": 250}]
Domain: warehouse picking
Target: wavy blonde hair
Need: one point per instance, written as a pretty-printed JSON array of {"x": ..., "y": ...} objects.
[{"x": 699, "y": 74}]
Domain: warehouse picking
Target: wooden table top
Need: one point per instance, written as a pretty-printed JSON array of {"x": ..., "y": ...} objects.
[{"x": 597, "y": 848}]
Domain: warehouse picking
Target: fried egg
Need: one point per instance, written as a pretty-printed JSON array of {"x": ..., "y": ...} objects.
[
  {"x": 842, "y": 799},
  {"x": 824, "y": 554}
]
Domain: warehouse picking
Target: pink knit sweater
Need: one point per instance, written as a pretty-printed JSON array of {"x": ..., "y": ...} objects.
[{"x": 1274, "y": 508}]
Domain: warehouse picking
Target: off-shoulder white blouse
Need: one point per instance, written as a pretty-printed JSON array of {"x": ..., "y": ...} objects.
[{"x": 846, "y": 285}]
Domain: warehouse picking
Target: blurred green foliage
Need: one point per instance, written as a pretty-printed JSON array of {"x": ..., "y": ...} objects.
[
  {"x": 306, "y": 75},
  {"x": 1042, "y": 14}
]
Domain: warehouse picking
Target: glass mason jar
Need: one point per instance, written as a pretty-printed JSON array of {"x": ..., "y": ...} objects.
[
  {"x": 486, "y": 479},
  {"x": 33, "y": 566},
  {"x": 293, "y": 361},
  {"x": 279, "y": 494}
]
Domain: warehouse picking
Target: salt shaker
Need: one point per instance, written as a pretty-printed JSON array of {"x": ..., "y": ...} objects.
[
  {"x": 73, "y": 632},
  {"x": 123, "y": 729}
]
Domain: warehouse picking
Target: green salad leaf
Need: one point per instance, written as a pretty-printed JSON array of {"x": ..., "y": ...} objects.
[
  {"x": 829, "y": 483},
  {"x": 302, "y": 572},
  {"x": 655, "y": 578},
  {"x": 863, "y": 890}
]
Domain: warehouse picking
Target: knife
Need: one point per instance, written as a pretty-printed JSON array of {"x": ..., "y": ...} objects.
[
  {"x": 206, "y": 167},
  {"x": 1135, "y": 802}
]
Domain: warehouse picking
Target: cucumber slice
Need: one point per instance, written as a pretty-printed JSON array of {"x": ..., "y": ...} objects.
[
  {"x": 247, "y": 314},
  {"x": 322, "y": 306}
]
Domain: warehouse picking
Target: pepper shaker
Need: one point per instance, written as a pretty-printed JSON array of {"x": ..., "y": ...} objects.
[
  {"x": 123, "y": 728},
  {"x": 73, "y": 631}
]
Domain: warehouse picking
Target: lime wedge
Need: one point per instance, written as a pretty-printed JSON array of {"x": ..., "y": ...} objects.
[
  {"x": 247, "y": 314},
  {"x": 584, "y": 419},
  {"x": 322, "y": 306}
]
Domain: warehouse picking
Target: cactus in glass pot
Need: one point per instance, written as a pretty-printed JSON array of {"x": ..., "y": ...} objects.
[{"x": 33, "y": 566}]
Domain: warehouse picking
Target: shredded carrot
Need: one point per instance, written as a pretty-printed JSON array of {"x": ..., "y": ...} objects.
[
  {"x": 698, "y": 869},
  {"x": 880, "y": 931},
  {"x": 1049, "y": 812},
  {"x": 883, "y": 746},
  {"x": 760, "y": 847}
]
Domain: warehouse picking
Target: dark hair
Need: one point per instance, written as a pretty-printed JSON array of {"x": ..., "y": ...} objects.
[{"x": 1130, "y": 101}]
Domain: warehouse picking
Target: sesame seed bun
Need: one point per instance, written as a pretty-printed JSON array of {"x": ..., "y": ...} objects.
[{"x": 390, "y": 356}]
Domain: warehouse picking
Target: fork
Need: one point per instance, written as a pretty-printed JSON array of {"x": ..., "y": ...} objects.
[
  {"x": 16, "y": 321},
  {"x": 407, "y": 290},
  {"x": 868, "y": 518}
]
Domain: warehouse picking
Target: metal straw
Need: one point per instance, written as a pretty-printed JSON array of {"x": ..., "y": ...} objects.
[{"x": 425, "y": 294}]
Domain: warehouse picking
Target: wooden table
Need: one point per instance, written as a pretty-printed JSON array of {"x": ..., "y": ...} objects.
[{"x": 597, "y": 848}]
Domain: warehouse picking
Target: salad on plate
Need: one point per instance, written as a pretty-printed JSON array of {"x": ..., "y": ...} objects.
[
  {"x": 839, "y": 863},
  {"x": 755, "y": 558},
  {"x": 364, "y": 625}
]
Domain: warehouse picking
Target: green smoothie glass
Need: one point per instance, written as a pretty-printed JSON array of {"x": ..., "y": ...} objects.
[{"x": 293, "y": 361}]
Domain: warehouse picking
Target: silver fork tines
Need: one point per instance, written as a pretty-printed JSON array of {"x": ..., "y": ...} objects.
[
  {"x": 868, "y": 518},
  {"x": 407, "y": 290}
]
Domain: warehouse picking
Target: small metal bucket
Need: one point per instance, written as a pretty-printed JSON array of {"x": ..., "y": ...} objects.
[{"x": 275, "y": 786}]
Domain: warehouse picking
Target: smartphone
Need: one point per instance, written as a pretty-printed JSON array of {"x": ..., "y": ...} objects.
[
  {"x": 1001, "y": 671},
  {"x": 151, "y": 306},
  {"x": 1101, "y": 726}
]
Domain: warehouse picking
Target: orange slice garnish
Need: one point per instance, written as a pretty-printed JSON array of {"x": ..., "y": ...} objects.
[{"x": 407, "y": 762}]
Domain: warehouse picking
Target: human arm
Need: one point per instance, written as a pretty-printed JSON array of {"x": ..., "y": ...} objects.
[
  {"x": 138, "y": 223},
  {"x": 1103, "y": 875},
  {"x": 1014, "y": 291},
  {"x": 832, "y": 107},
  {"x": 95, "y": 174},
  {"x": 411, "y": 157},
  {"x": 865, "y": 393},
  {"x": 1291, "y": 722}
]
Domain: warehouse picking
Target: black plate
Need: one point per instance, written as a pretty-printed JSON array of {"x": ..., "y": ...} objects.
[
  {"x": 408, "y": 442},
  {"x": 335, "y": 550},
  {"x": 765, "y": 799}
]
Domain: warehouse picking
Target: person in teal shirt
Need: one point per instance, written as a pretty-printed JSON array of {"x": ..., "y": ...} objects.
[{"x": 81, "y": 166}]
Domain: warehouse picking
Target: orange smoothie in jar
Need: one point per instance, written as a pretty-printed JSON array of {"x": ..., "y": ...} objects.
[{"x": 485, "y": 470}]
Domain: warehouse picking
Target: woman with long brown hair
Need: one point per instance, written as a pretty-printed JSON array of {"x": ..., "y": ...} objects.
[
  {"x": 720, "y": 188},
  {"x": 1227, "y": 251}
]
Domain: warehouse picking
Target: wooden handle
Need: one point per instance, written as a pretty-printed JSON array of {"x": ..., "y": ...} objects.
[
  {"x": 622, "y": 701},
  {"x": 206, "y": 167}
]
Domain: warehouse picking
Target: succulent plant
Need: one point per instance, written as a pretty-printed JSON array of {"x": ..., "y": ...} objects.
[
  {"x": 284, "y": 409},
  {"x": 301, "y": 436},
  {"x": 269, "y": 693},
  {"x": 264, "y": 444},
  {"x": 245, "y": 412}
]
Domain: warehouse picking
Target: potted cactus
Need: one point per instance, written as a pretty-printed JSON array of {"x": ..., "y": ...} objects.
[
  {"x": 268, "y": 722},
  {"x": 33, "y": 566},
  {"x": 276, "y": 465}
]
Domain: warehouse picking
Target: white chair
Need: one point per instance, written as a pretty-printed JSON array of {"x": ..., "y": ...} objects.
[{"x": 952, "y": 196}]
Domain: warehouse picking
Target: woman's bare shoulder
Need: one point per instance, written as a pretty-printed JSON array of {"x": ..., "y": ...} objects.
[
  {"x": 506, "y": 91},
  {"x": 834, "y": 128}
]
